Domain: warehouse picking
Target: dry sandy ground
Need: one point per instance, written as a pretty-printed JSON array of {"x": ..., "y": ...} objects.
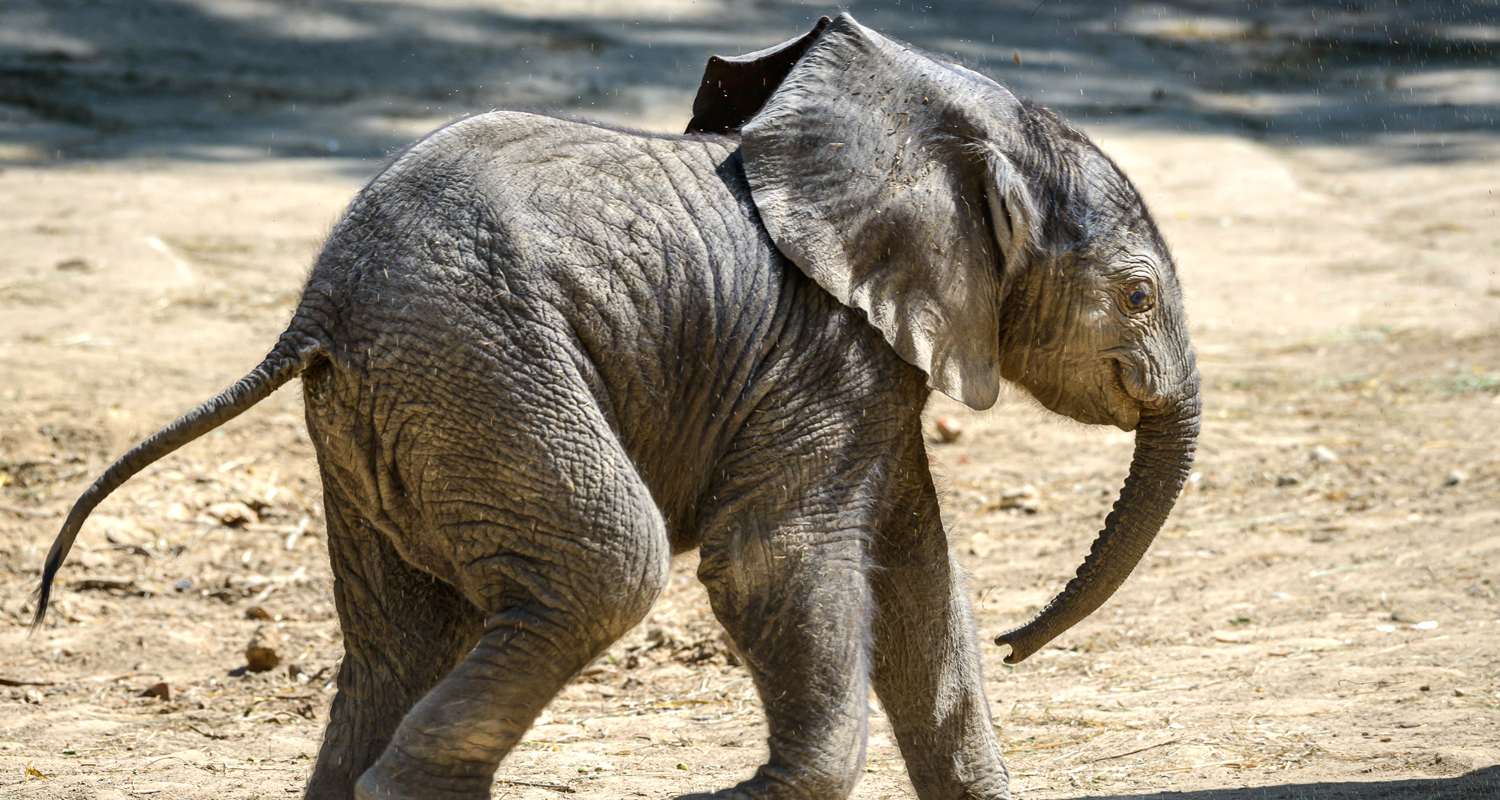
[{"x": 1319, "y": 619}]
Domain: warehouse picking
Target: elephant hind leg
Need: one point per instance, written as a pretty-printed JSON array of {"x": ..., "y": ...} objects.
[
  {"x": 560, "y": 581},
  {"x": 403, "y": 632}
]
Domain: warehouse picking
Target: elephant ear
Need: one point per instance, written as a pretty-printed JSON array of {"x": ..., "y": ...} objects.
[
  {"x": 735, "y": 87},
  {"x": 880, "y": 172}
]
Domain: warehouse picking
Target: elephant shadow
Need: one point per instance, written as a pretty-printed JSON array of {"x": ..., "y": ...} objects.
[{"x": 1481, "y": 784}]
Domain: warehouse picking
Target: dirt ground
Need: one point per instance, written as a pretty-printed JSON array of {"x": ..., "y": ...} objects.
[{"x": 1320, "y": 618}]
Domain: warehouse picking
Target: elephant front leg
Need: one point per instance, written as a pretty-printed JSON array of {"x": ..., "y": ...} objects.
[
  {"x": 796, "y": 603},
  {"x": 926, "y": 669}
]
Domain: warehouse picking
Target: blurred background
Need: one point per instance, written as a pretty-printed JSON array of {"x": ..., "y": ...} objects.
[{"x": 237, "y": 78}]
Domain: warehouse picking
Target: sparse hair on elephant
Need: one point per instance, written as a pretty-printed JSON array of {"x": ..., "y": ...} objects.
[{"x": 541, "y": 356}]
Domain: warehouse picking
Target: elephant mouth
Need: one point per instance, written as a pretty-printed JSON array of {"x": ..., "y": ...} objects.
[
  {"x": 1097, "y": 393},
  {"x": 1126, "y": 408}
]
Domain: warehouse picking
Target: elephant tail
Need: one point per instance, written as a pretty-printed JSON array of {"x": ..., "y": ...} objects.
[{"x": 292, "y": 355}]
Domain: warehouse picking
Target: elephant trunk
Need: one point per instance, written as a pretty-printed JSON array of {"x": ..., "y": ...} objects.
[{"x": 1164, "y": 447}]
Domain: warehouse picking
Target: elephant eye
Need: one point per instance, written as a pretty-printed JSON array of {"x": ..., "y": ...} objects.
[{"x": 1139, "y": 297}]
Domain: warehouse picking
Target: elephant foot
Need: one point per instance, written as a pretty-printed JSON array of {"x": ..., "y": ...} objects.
[
  {"x": 1001, "y": 792},
  {"x": 397, "y": 777},
  {"x": 998, "y": 789},
  {"x": 781, "y": 787},
  {"x": 737, "y": 793}
]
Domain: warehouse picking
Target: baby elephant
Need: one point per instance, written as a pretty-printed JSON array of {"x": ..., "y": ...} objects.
[{"x": 541, "y": 356}]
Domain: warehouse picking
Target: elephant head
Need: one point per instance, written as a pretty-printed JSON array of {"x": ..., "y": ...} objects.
[{"x": 985, "y": 239}]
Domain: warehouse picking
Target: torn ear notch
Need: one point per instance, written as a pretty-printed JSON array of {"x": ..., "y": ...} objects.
[{"x": 734, "y": 88}]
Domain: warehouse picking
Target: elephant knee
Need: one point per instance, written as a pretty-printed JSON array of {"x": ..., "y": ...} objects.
[
  {"x": 596, "y": 604},
  {"x": 653, "y": 579},
  {"x": 630, "y": 576},
  {"x": 630, "y": 593}
]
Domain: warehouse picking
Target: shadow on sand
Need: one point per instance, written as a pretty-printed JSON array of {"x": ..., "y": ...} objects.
[
  {"x": 351, "y": 78},
  {"x": 1481, "y": 784}
]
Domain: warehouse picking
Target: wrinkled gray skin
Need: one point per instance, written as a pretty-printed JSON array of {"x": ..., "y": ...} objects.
[{"x": 542, "y": 356}]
